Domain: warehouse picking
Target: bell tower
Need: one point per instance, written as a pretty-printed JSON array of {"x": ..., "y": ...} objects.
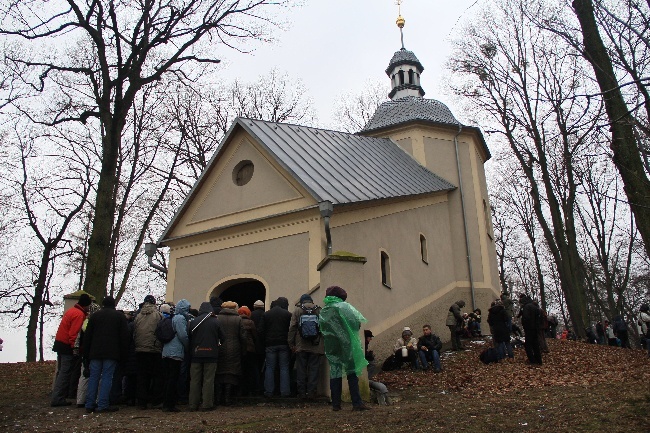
[{"x": 404, "y": 68}]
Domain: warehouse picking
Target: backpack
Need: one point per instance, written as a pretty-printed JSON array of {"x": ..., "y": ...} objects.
[
  {"x": 308, "y": 323},
  {"x": 164, "y": 330},
  {"x": 489, "y": 355}
]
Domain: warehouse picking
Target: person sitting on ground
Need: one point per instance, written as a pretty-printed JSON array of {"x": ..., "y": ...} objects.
[
  {"x": 406, "y": 349},
  {"x": 609, "y": 333},
  {"x": 591, "y": 335},
  {"x": 429, "y": 346},
  {"x": 378, "y": 391},
  {"x": 474, "y": 324}
]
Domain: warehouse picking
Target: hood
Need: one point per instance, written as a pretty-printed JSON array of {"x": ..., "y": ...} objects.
[
  {"x": 183, "y": 307},
  {"x": 496, "y": 309},
  {"x": 148, "y": 308},
  {"x": 282, "y": 302},
  {"x": 206, "y": 307}
]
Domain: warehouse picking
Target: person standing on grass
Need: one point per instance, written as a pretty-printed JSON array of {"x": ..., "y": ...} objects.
[
  {"x": 147, "y": 353},
  {"x": 340, "y": 323},
  {"x": 274, "y": 331},
  {"x": 455, "y": 322},
  {"x": 205, "y": 337},
  {"x": 309, "y": 350},
  {"x": 173, "y": 354},
  {"x": 106, "y": 343},
  {"x": 644, "y": 317},
  {"x": 531, "y": 320},
  {"x": 66, "y": 336}
]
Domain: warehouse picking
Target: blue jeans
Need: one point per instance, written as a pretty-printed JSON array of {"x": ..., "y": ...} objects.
[
  {"x": 336, "y": 389},
  {"x": 504, "y": 349},
  {"x": 100, "y": 369},
  {"x": 277, "y": 356},
  {"x": 431, "y": 356}
]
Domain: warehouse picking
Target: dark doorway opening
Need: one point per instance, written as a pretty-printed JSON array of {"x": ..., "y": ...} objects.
[{"x": 243, "y": 292}]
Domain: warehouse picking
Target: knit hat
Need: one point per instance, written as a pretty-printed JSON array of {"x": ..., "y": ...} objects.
[
  {"x": 108, "y": 302},
  {"x": 244, "y": 311},
  {"x": 258, "y": 304},
  {"x": 407, "y": 329},
  {"x": 166, "y": 308},
  {"x": 84, "y": 300},
  {"x": 149, "y": 299},
  {"x": 306, "y": 298},
  {"x": 93, "y": 308},
  {"x": 230, "y": 305},
  {"x": 336, "y": 291}
]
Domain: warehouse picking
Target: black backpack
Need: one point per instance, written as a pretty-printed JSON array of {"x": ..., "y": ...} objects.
[
  {"x": 308, "y": 323},
  {"x": 165, "y": 330},
  {"x": 489, "y": 355}
]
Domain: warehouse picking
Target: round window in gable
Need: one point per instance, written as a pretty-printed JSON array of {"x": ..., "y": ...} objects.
[{"x": 243, "y": 173}]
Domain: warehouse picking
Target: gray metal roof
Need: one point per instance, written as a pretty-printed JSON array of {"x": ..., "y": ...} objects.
[
  {"x": 341, "y": 167},
  {"x": 403, "y": 56},
  {"x": 335, "y": 166},
  {"x": 407, "y": 109}
]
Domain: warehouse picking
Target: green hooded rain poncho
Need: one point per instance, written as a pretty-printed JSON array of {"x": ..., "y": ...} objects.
[{"x": 340, "y": 323}]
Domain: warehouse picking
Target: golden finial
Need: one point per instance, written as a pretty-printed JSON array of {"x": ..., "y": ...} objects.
[{"x": 400, "y": 20}]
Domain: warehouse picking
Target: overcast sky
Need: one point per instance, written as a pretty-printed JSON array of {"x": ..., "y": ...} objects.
[{"x": 334, "y": 46}]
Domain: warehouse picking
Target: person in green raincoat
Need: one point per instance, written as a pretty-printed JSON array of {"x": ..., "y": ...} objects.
[{"x": 340, "y": 323}]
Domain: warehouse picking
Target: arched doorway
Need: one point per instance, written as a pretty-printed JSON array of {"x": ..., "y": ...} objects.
[{"x": 243, "y": 291}]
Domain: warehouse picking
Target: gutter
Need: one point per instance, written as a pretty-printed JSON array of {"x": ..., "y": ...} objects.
[{"x": 462, "y": 204}]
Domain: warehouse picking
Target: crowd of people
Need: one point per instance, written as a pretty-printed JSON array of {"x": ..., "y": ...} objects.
[{"x": 162, "y": 355}]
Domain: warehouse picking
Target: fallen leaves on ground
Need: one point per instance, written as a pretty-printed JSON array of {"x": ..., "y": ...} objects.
[{"x": 580, "y": 389}]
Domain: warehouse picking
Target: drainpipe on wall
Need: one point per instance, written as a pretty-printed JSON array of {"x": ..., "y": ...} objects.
[
  {"x": 462, "y": 204},
  {"x": 150, "y": 251},
  {"x": 326, "y": 210}
]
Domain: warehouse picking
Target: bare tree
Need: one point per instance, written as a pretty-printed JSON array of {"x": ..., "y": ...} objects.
[
  {"x": 354, "y": 110},
  {"x": 122, "y": 48},
  {"x": 526, "y": 83},
  {"x": 51, "y": 200},
  {"x": 274, "y": 97}
]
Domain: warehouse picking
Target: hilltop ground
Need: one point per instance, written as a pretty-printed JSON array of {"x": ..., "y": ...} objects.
[{"x": 580, "y": 388}]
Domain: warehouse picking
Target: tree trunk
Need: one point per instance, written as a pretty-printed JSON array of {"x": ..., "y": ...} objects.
[
  {"x": 627, "y": 156},
  {"x": 99, "y": 251},
  {"x": 36, "y": 304}
]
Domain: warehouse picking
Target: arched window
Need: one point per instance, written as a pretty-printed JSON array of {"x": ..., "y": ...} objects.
[
  {"x": 423, "y": 249},
  {"x": 401, "y": 77},
  {"x": 385, "y": 269},
  {"x": 411, "y": 78}
]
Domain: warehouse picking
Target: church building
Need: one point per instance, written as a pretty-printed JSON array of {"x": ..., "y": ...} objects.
[{"x": 397, "y": 214}]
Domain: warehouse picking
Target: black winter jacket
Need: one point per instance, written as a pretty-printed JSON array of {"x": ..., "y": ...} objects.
[
  {"x": 431, "y": 342},
  {"x": 274, "y": 326},
  {"x": 107, "y": 335},
  {"x": 531, "y": 316},
  {"x": 205, "y": 334},
  {"x": 498, "y": 320}
]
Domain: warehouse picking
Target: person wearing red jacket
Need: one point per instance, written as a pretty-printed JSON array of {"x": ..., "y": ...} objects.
[{"x": 64, "y": 345}]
